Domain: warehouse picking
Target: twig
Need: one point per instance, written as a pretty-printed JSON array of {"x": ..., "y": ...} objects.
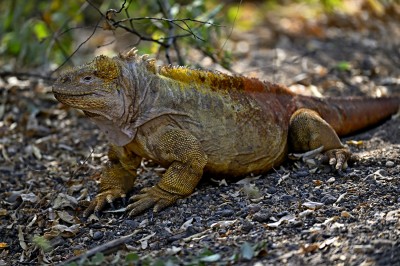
[
  {"x": 183, "y": 20},
  {"x": 24, "y": 75},
  {"x": 73, "y": 174},
  {"x": 55, "y": 36},
  {"x": 166, "y": 10},
  {"x": 171, "y": 21},
  {"x": 105, "y": 248},
  {"x": 233, "y": 25},
  {"x": 95, "y": 7},
  {"x": 79, "y": 46}
]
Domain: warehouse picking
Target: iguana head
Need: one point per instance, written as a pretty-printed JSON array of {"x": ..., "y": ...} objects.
[{"x": 93, "y": 88}]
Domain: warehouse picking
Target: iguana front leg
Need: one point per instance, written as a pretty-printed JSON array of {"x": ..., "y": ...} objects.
[
  {"x": 117, "y": 178},
  {"x": 186, "y": 158},
  {"x": 308, "y": 131}
]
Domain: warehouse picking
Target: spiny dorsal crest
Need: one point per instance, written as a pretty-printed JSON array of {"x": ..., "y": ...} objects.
[
  {"x": 132, "y": 55},
  {"x": 106, "y": 68}
]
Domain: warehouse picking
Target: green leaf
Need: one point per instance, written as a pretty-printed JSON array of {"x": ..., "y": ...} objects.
[
  {"x": 132, "y": 257},
  {"x": 343, "y": 66},
  {"x": 10, "y": 43},
  {"x": 40, "y": 30},
  {"x": 98, "y": 259},
  {"x": 247, "y": 251},
  {"x": 42, "y": 242}
]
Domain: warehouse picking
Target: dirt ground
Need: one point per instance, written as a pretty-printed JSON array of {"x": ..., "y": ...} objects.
[{"x": 50, "y": 158}]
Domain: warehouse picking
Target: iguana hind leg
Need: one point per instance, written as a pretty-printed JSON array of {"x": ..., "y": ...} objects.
[
  {"x": 117, "y": 178},
  {"x": 308, "y": 131},
  {"x": 187, "y": 160}
]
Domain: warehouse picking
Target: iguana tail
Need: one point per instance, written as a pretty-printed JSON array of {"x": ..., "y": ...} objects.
[{"x": 349, "y": 115}]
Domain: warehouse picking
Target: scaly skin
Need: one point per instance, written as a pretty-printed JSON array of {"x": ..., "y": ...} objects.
[{"x": 194, "y": 122}]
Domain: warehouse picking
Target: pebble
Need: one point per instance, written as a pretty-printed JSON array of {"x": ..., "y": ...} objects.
[
  {"x": 271, "y": 190},
  {"x": 287, "y": 198},
  {"x": 389, "y": 164},
  {"x": 301, "y": 173},
  {"x": 331, "y": 180},
  {"x": 131, "y": 223},
  {"x": 261, "y": 216},
  {"x": 254, "y": 207},
  {"x": 77, "y": 247},
  {"x": 225, "y": 213},
  {"x": 247, "y": 226},
  {"x": 190, "y": 231},
  {"x": 328, "y": 199},
  {"x": 98, "y": 235},
  {"x": 281, "y": 214}
]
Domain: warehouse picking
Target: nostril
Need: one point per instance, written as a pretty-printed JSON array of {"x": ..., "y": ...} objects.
[
  {"x": 87, "y": 78},
  {"x": 65, "y": 79}
]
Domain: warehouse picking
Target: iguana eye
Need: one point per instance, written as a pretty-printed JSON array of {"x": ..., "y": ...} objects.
[{"x": 87, "y": 78}]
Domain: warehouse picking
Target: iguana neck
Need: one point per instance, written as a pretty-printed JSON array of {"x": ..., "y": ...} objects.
[{"x": 144, "y": 99}]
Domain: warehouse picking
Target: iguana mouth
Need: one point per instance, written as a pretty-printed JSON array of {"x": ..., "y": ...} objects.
[
  {"x": 90, "y": 114},
  {"x": 70, "y": 93}
]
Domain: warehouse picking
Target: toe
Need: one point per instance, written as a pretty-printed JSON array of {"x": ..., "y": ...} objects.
[
  {"x": 161, "y": 204},
  {"x": 338, "y": 158},
  {"x": 139, "y": 206}
]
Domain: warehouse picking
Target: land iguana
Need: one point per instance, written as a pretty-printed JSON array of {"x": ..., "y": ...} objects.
[{"x": 199, "y": 122}]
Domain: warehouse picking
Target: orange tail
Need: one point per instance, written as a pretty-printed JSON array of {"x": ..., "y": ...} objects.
[{"x": 349, "y": 115}]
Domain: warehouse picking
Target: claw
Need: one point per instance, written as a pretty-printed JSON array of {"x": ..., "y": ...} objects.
[
  {"x": 150, "y": 197},
  {"x": 338, "y": 158},
  {"x": 107, "y": 196}
]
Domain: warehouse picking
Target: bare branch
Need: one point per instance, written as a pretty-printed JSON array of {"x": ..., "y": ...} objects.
[
  {"x": 105, "y": 248},
  {"x": 25, "y": 75},
  {"x": 188, "y": 25}
]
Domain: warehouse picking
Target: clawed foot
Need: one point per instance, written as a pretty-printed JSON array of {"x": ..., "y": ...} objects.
[
  {"x": 104, "y": 197},
  {"x": 148, "y": 197},
  {"x": 151, "y": 197},
  {"x": 336, "y": 158}
]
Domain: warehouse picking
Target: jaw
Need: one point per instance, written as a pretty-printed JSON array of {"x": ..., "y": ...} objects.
[
  {"x": 95, "y": 105},
  {"x": 86, "y": 102}
]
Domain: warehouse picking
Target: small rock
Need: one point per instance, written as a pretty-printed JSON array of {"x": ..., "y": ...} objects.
[
  {"x": 131, "y": 223},
  {"x": 312, "y": 205},
  {"x": 247, "y": 226},
  {"x": 389, "y": 164},
  {"x": 190, "y": 231},
  {"x": 303, "y": 173},
  {"x": 77, "y": 247},
  {"x": 287, "y": 198},
  {"x": 207, "y": 198},
  {"x": 271, "y": 190},
  {"x": 254, "y": 207},
  {"x": 225, "y": 213},
  {"x": 281, "y": 214},
  {"x": 331, "y": 180},
  {"x": 328, "y": 199},
  {"x": 98, "y": 235},
  {"x": 261, "y": 216}
]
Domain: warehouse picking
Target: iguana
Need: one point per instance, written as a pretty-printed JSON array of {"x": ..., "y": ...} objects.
[{"x": 199, "y": 122}]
